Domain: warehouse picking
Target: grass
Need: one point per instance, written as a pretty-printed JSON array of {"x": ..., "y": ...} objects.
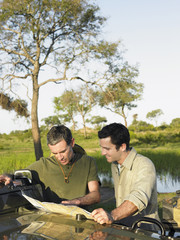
[{"x": 17, "y": 152}]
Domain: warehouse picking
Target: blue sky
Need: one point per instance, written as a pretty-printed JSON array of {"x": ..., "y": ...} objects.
[{"x": 150, "y": 32}]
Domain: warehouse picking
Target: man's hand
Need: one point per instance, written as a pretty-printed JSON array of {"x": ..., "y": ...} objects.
[
  {"x": 101, "y": 216},
  {"x": 5, "y": 179},
  {"x": 92, "y": 197},
  {"x": 76, "y": 202}
]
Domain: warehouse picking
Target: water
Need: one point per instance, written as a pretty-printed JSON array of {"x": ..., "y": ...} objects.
[
  {"x": 167, "y": 184},
  {"x": 164, "y": 183}
]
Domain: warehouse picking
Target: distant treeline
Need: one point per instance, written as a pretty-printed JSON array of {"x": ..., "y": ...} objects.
[{"x": 141, "y": 133}]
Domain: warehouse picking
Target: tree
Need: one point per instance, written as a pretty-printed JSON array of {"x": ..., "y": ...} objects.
[
  {"x": 154, "y": 115},
  {"x": 139, "y": 126},
  {"x": 98, "y": 121},
  {"x": 135, "y": 117},
  {"x": 66, "y": 107},
  {"x": 175, "y": 122},
  {"x": 121, "y": 92},
  {"x": 51, "y": 121},
  {"x": 76, "y": 102},
  {"x": 39, "y": 33},
  {"x": 85, "y": 99}
]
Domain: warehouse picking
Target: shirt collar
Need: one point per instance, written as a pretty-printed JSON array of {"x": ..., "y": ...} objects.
[
  {"x": 130, "y": 159},
  {"x": 128, "y": 162}
]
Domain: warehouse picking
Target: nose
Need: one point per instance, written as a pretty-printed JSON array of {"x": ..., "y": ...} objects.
[
  {"x": 59, "y": 156},
  {"x": 103, "y": 151}
]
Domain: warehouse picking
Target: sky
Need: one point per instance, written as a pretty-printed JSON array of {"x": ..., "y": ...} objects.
[{"x": 150, "y": 33}]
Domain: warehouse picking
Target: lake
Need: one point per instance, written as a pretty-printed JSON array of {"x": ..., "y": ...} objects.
[{"x": 167, "y": 184}]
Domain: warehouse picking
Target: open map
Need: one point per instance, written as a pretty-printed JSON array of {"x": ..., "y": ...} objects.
[{"x": 58, "y": 208}]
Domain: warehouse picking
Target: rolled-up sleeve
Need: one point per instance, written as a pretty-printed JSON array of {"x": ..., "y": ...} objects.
[
  {"x": 142, "y": 184},
  {"x": 136, "y": 182}
]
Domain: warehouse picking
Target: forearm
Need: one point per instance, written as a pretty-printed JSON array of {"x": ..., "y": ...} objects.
[
  {"x": 88, "y": 199},
  {"x": 126, "y": 209}
]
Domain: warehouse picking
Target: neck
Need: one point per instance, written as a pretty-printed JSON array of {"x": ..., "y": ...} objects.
[{"x": 123, "y": 157}]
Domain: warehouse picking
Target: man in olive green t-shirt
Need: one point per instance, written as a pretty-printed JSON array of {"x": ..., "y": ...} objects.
[{"x": 68, "y": 176}]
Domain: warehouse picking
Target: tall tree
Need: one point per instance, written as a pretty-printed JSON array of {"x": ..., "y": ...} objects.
[
  {"x": 65, "y": 107},
  {"x": 85, "y": 99},
  {"x": 122, "y": 91},
  {"x": 154, "y": 115},
  {"x": 39, "y": 33},
  {"x": 76, "y": 102}
]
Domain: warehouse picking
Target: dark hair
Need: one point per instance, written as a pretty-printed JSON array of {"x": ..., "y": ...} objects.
[
  {"x": 58, "y": 133},
  {"x": 118, "y": 133}
]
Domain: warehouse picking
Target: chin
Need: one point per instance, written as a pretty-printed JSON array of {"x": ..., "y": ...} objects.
[{"x": 109, "y": 159}]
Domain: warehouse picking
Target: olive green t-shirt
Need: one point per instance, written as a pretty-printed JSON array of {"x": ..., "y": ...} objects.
[{"x": 48, "y": 173}]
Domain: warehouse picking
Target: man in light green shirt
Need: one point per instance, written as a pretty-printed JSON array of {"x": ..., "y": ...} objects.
[{"x": 134, "y": 178}]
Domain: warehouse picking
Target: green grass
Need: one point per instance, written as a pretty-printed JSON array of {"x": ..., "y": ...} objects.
[{"x": 16, "y": 153}]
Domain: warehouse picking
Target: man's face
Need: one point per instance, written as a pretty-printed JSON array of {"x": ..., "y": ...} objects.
[
  {"x": 62, "y": 152},
  {"x": 109, "y": 150}
]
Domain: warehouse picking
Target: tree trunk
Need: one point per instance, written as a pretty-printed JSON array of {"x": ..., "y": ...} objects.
[
  {"x": 84, "y": 126},
  {"x": 74, "y": 124},
  {"x": 124, "y": 116},
  {"x": 35, "y": 124}
]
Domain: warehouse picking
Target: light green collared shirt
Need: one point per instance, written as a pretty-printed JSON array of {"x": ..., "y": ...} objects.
[{"x": 136, "y": 182}]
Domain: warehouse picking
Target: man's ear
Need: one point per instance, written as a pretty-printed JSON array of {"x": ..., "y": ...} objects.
[
  {"x": 123, "y": 147},
  {"x": 72, "y": 142}
]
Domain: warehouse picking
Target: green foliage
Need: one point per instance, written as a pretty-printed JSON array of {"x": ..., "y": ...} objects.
[
  {"x": 15, "y": 153},
  {"x": 65, "y": 106},
  {"x": 175, "y": 123},
  {"x": 139, "y": 126},
  {"x": 122, "y": 91},
  {"x": 51, "y": 121},
  {"x": 98, "y": 121},
  {"x": 155, "y": 138},
  {"x": 72, "y": 102},
  {"x": 154, "y": 115}
]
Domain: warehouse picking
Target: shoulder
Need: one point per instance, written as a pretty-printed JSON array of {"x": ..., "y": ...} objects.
[
  {"x": 87, "y": 158},
  {"x": 41, "y": 162},
  {"x": 78, "y": 149},
  {"x": 136, "y": 160},
  {"x": 143, "y": 163},
  {"x": 143, "y": 159}
]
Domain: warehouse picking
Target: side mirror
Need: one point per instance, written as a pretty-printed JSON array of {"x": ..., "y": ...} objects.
[{"x": 24, "y": 175}]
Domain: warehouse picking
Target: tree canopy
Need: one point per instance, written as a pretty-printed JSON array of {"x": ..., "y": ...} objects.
[
  {"x": 121, "y": 92},
  {"x": 154, "y": 115}
]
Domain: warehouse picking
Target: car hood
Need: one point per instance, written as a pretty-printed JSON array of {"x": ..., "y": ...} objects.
[{"x": 41, "y": 225}]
